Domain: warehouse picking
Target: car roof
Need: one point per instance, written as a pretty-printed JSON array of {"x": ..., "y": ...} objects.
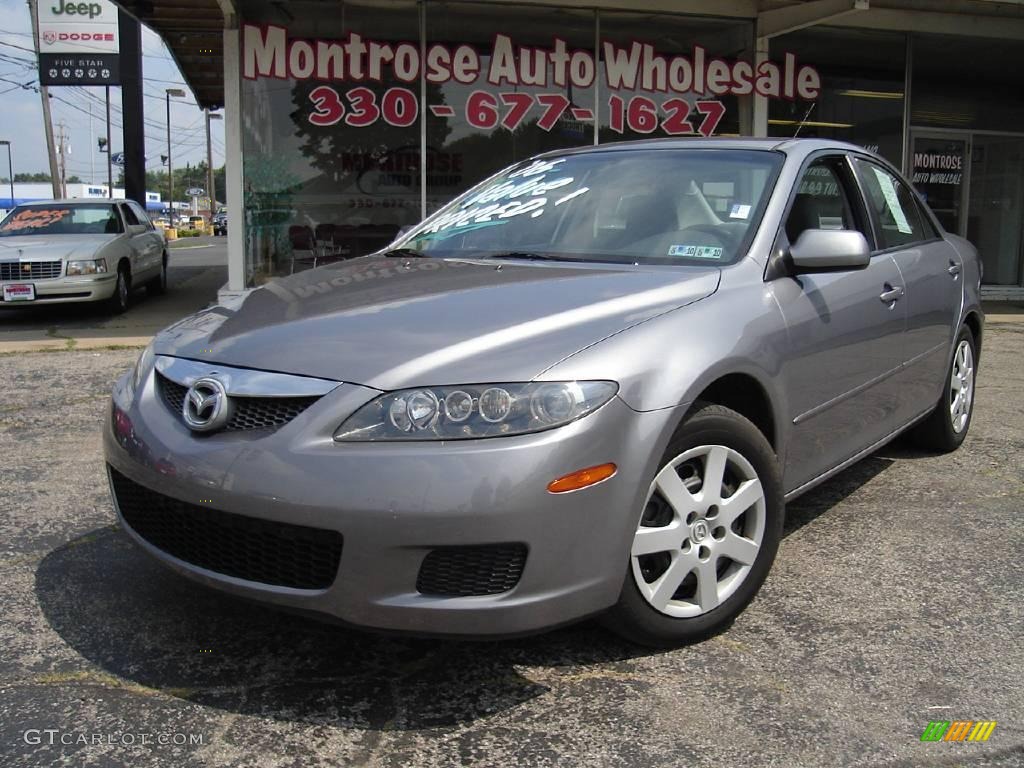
[
  {"x": 75, "y": 201},
  {"x": 789, "y": 146}
]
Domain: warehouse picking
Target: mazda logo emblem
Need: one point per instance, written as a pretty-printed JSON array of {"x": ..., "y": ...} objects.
[{"x": 207, "y": 407}]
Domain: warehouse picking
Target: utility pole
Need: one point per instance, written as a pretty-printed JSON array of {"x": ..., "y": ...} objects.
[
  {"x": 44, "y": 93},
  {"x": 178, "y": 94},
  {"x": 62, "y": 151},
  {"x": 92, "y": 152},
  {"x": 210, "y": 190}
]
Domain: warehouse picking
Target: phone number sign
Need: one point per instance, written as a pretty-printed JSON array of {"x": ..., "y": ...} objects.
[{"x": 361, "y": 107}]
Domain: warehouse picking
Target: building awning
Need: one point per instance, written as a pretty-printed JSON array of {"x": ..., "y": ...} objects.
[{"x": 194, "y": 32}]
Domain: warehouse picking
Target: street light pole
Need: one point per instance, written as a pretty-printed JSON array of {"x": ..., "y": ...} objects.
[
  {"x": 209, "y": 164},
  {"x": 10, "y": 170},
  {"x": 178, "y": 94}
]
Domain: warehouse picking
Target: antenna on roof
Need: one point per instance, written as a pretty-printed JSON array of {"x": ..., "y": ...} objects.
[{"x": 804, "y": 118}]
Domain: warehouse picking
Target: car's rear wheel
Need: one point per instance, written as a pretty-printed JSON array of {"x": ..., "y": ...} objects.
[
  {"x": 118, "y": 301},
  {"x": 707, "y": 535},
  {"x": 946, "y": 427}
]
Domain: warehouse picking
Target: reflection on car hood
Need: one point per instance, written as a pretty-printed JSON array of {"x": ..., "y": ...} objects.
[
  {"x": 390, "y": 323},
  {"x": 51, "y": 246}
]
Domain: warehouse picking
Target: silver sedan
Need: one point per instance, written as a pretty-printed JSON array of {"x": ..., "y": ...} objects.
[
  {"x": 588, "y": 386},
  {"x": 65, "y": 251}
]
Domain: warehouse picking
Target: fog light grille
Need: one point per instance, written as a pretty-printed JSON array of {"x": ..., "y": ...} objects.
[{"x": 467, "y": 571}]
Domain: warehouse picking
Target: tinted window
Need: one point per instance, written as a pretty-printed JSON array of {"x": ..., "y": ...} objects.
[
  {"x": 892, "y": 205},
  {"x": 821, "y": 201},
  {"x": 140, "y": 215},
  {"x": 129, "y": 215},
  {"x": 648, "y": 206}
]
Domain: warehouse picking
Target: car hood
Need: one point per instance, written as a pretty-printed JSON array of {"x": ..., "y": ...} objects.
[
  {"x": 51, "y": 246},
  {"x": 390, "y": 323}
]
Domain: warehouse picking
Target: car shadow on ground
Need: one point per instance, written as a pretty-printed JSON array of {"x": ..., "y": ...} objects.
[{"x": 131, "y": 617}]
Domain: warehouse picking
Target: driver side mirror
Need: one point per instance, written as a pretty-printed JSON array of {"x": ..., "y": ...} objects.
[{"x": 817, "y": 250}]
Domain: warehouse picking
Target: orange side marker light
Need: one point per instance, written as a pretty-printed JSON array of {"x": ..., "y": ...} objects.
[{"x": 581, "y": 478}]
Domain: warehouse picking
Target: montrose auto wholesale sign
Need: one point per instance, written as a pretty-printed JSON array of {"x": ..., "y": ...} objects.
[
  {"x": 78, "y": 43},
  {"x": 498, "y": 75}
]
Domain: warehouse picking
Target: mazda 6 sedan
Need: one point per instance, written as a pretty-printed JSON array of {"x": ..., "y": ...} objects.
[
  {"x": 67, "y": 251},
  {"x": 588, "y": 386}
]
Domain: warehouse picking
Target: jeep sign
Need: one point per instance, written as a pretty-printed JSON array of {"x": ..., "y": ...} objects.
[
  {"x": 66, "y": 27},
  {"x": 78, "y": 43}
]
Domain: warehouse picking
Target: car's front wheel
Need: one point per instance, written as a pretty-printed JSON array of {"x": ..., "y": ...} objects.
[
  {"x": 707, "y": 535},
  {"x": 118, "y": 301}
]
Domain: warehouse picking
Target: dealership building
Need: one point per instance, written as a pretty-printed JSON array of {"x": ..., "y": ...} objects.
[{"x": 348, "y": 120}]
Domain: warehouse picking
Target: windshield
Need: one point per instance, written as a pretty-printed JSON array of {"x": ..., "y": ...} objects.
[
  {"x": 91, "y": 219},
  {"x": 655, "y": 206}
]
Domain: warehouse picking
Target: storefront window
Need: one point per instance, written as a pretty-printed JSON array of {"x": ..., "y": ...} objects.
[
  {"x": 330, "y": 131},
  {"x": 334, "y": 118},
  {"x": 672, "y": 75},
  {"x": 967, "y": 83},
  {"x": 862, "y": 94},
  {"x": 512, "y": 81}
]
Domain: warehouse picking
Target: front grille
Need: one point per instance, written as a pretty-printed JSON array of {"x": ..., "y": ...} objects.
[
  {"x": 249, "y": 412},
  {"x": 466, "y": 571},
  {"x": 37, "y": 270},
  {"x": 281, "y": 554}
]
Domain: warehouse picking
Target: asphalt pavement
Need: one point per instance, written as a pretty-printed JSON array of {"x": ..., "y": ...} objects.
[{"x": 896, "y": 600}]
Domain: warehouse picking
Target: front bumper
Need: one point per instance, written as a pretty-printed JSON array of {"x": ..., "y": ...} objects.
[
  {"x": 65, "y": 290},
  {"x": 393, "y": 503}
]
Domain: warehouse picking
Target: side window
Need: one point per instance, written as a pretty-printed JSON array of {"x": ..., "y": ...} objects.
[
  {"x": 821, "y": 200},
  {"x": 129, "y": 215},
  {"x": 140, "y": 215},
  {"x": 893, "y": 207}
]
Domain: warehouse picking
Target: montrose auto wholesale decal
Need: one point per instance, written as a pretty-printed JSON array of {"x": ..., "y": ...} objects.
[{"x": 268, "y": 52}]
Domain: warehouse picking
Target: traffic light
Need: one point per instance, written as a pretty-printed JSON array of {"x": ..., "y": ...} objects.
[{"x": 103, "y": 143}]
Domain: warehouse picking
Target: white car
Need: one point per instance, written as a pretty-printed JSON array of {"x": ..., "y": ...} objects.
[{"x": 62, "y": 251}]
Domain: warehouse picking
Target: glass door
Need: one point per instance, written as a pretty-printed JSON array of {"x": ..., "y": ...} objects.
[
  {"x": 939, "y": 172},
  {"x": 995, "y": 219}
]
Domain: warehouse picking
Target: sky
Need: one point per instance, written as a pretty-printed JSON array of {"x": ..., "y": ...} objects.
[{"x": 21, "y": 113}]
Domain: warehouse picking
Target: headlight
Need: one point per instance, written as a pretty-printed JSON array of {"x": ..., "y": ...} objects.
[
  {"x": 142, "y": 366},
  {"x": 93, "y": 267},
  {"x": 473, "y": 411}
]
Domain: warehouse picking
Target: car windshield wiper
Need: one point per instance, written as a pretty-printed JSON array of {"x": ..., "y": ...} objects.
[
  {"x": 527, "y": 255},
  {"x": 405, "y": 253}
]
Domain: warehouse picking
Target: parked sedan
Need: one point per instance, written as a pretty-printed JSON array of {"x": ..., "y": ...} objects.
[
  {"x": 586, "y": 387},
  {"x": 56, "y": 252}
]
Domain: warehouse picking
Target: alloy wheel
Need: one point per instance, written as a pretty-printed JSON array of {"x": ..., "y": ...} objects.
[
  {"x": 700, "y": 533},
  {"x": 961, "y": 386}
]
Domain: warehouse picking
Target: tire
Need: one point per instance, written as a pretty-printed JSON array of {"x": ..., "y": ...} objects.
[
  {"x": 945, "y": 428},
  {"x": 118, "y": 302},
  {"x": 710, "y": 437},
  {"x": 158, "y": 285}
]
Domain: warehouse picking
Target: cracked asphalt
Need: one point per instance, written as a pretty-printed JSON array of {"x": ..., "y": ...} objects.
[{"x": 896, "y": 599}]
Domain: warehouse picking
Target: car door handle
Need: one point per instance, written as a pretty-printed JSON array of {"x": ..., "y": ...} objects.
[
  {"x": 890, "y": 294},
  {"x": 954, "y": 268}
]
